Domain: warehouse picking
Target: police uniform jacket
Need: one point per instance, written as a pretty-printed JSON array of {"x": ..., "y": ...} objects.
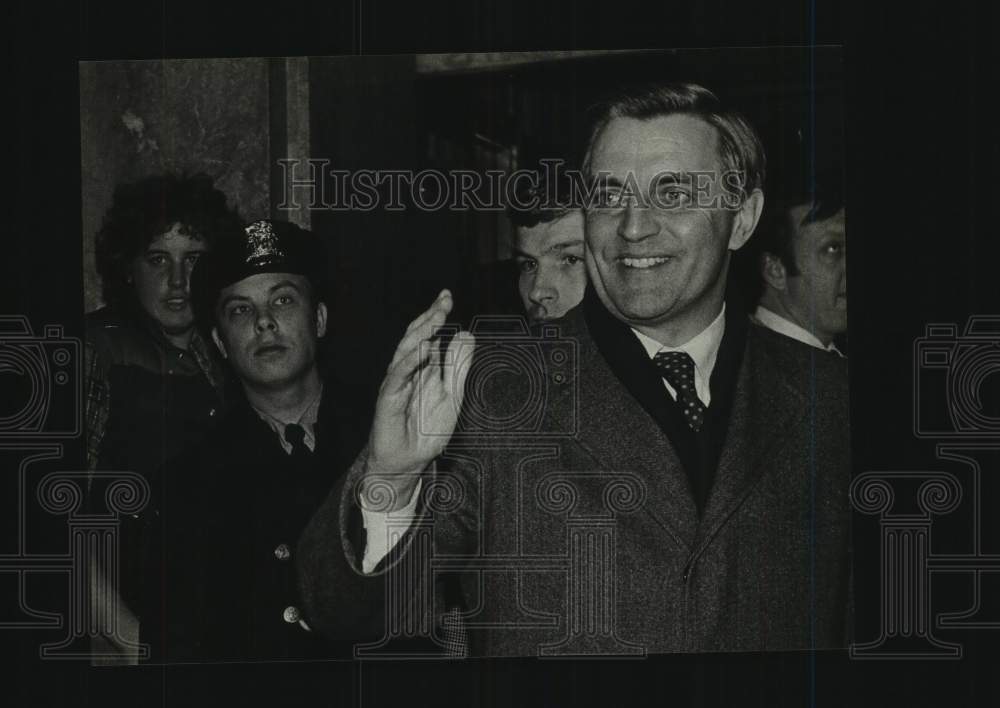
[{"x": 223, "y": 528}]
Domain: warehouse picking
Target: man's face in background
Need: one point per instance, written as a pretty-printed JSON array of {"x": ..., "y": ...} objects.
[
  {"x": 161, "y": 276},
  {"x": 550, "y": 262},
  {"x": 816, "y": 297}
]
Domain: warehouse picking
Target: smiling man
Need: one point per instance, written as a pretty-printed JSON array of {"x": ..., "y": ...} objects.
[
  {"x": 749, "y": 471},
  {"x": 732, "y": 440}
]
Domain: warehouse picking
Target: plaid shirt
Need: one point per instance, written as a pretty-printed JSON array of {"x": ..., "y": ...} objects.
[{"x": 97, "y": 385}]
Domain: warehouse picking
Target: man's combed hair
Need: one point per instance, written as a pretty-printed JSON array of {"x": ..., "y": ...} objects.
[
  {"x": 740, "y": 148},
  {"x": 145, "y": 209}
]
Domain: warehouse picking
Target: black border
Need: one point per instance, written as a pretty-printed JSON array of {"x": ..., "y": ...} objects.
[{"x": 921, "y": 145}]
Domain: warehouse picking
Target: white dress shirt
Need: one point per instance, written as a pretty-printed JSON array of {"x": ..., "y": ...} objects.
[
  {"x": 378, "y": 541},
  {"x": 774, "y": 321},
  {"x": 703, "y": 348}
]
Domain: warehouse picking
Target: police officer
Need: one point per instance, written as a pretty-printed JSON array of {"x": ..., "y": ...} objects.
[{"x": 228, "y": 514}]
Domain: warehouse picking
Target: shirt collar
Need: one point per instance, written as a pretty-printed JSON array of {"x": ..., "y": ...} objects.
[
  {"x": 703, "y": 348},
  {"x": 773, "y": 321},
  {"x": 307, "y": 421}
]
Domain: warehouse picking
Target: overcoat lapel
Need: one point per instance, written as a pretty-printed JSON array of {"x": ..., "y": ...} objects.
[
  {"x": 751, "y": 439},
  {"x": 608, "y": 416}
]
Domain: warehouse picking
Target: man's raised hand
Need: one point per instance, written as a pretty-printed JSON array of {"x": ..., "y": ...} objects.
[{"x": 418, "y": 403}]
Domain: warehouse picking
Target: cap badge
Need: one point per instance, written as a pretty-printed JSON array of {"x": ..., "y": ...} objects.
[{"x": 262, "y": 243}]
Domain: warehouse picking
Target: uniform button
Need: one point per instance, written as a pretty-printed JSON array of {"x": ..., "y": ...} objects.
[
  {"x": 291, "y": 614},
  {"x": 282, "y": 552},
  {"x": 211, "y": 413}
]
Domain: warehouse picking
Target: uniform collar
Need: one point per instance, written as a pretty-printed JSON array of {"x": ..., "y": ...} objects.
[{"x": 307, "y": 420}]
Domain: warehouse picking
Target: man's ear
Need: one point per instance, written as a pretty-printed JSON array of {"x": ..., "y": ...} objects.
[
  {"x": 773, "y": 271},
  {"x": 218, "y": 342},
  {"x": 746, "y": 219},
  {"x": 320, "y": 319}
]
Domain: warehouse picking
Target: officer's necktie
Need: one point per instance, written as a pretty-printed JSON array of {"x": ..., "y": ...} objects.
[
  {"x": 295, "y": 435},
  {"x": 678, "y": 370}
]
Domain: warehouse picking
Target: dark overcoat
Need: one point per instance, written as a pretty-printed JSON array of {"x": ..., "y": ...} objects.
[{"x": 581, "y": 534}]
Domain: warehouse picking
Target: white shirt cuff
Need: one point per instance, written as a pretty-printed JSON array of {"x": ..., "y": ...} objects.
[{"x": 385, "y": 528}]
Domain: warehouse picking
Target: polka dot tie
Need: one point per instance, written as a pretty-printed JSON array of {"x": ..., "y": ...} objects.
[{"x": 678, "y": 370}]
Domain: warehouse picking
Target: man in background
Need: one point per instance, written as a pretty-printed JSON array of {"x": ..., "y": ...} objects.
[
  {"x": 802, "y": 254},
  {"x": 548, "y": 249}
]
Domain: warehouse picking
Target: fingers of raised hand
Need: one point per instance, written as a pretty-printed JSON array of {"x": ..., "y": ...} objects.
[
  {"x": 425, "y": 326},
  {"x": 442, "y": 303}
]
